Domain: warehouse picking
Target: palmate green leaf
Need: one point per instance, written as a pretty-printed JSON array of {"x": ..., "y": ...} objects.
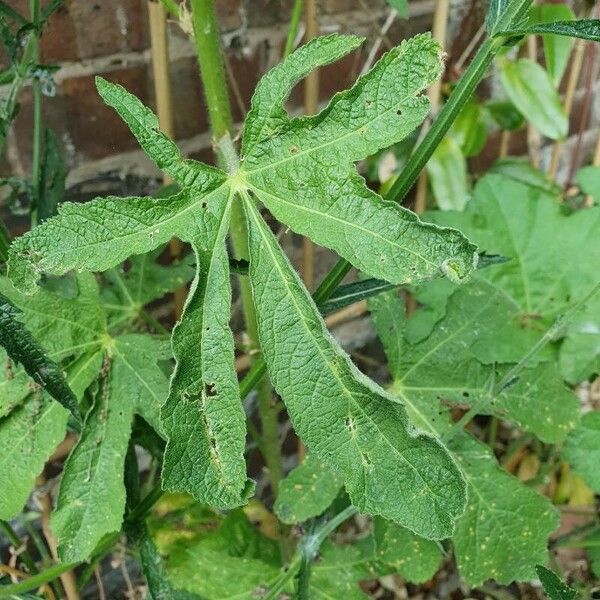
[
  {"x": 307, "y": 491},
  {"x": 302, "y": 170},
  {"x": 445, "y": 366},
  {"x": 388, "y": 468},
  {"x": 91, "y": 499},
  {"x": 24, "y": 349},
  {"x": 505, "y": 526},
  {"x": 516, "y": 220},
  {"x": 582, "y": 449},
  {"x": 530, "y": 89},
  {"x": 27, "y": 438},
  {"x": 554, "y": 587},
  {"x": 203, "y": 416}
]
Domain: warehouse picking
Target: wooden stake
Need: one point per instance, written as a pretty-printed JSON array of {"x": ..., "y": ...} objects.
[
  {"x": 311, "y": 105},
  {"x": 162, "y": 88},
  {"x": 574, "y": 73},
  {"x": 439, "y": 30}
]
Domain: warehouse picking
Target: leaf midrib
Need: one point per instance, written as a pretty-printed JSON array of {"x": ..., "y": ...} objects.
[{"x": 352, "y": 400}]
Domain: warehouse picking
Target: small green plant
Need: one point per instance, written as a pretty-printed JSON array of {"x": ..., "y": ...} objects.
[{"x": 504, "y": 305}]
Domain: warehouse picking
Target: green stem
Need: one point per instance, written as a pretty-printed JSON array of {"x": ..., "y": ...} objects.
[
  {"x": 212, "y": 73},
  {"x": 36, "y": 161},
  {"x": 16, "y": 542},
  {"x": 457, "y": 100},
  {"x": 172, "y": 7},
  {"x": 36, "y": 581},
  {"x": 293, "y": 29},
  {"x": 306, "y": 552}
]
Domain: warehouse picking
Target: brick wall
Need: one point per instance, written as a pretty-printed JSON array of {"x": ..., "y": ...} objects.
[{"x": 110, "y": 37}]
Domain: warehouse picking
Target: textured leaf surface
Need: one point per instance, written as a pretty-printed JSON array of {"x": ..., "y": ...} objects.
[
  {"x": 203, "y": 416},
  {"x": 554, "y": 587},
  {"x": 102, "y": 233},
  {"x": 91, "y": 498},
  {"x": 308, "y": 163},
  {"x": 505, "y": 526},
  {"x": 360, "y": 432},
  {"x": 445, "y": 366},
  {"x": 28, "y": 436},
  {"x": 24, "y": 349},
  {"x": 529, "y": 88},
  {"x": 582, "y": 449},
  {"x": 304, "y": 174},
  {"x": 307, "y": 491},
  {"x": 513, "y": 219},
  {"x": 504, "y": 532}
]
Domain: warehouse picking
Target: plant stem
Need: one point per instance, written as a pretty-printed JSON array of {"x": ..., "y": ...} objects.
[
  {"x": 36, "y": 160},
  {"x": 306, "y": 552},
  {"x": 36, "y": 581},
  {"x": 459, "y": 97},
  {"x": 293, "y": 28},
  {"x": 212, "y": 73},
  {"x": 159, "y": 47}
]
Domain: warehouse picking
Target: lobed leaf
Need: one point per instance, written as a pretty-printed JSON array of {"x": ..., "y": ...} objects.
[
  {"x": 360, "y": 431},
  {"x": 104, "y": 232},
  {"x": 143, "y": 123},
  {"x": 304, "y": 173},
  {"x": 92, "y": 483},
  {"x": 203, "y": 416}
]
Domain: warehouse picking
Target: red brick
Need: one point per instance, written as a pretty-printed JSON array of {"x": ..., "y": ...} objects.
[
  {"x": 189, "y": 110},
  {"x": 91, "y": 28},
  {"x": 228, "y": 13},
  {"x": 95, "y": 129}
]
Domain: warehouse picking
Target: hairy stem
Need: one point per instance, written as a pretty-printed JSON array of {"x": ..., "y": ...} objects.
[
  {"x": 212, "y": 73},
  {"x": 36, "y": 160},
  {"x": 293, "y": 28}
]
